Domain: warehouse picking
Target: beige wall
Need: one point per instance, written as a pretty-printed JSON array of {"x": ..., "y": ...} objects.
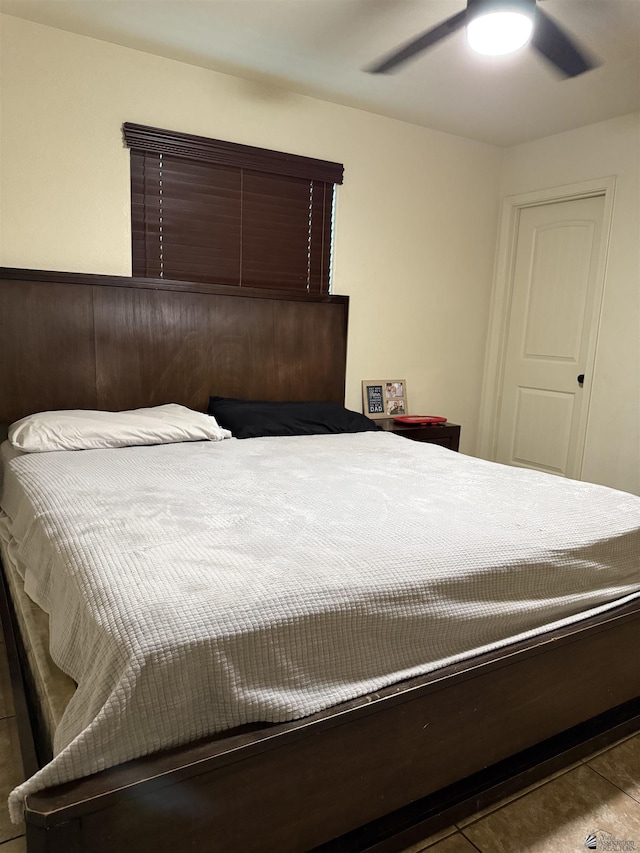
[
  {"x": 416, "y": 217},
  {"x": 611, "y": 148},
  {"x": 416, "y": 220}
]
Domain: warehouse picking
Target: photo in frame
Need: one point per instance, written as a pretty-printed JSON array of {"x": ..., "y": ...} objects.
[{"x": 384, "y": 398}]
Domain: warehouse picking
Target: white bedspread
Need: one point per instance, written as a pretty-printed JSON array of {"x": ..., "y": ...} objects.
[{"x": 195, "y": 587}]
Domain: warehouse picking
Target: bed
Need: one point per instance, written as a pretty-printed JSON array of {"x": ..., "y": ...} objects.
[{"x": 375, "y": 770}]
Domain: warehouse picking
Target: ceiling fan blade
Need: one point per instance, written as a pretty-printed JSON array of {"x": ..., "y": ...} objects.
[
  {"x": 553, "y": 43},
  {"x": 419, "y": 44}
]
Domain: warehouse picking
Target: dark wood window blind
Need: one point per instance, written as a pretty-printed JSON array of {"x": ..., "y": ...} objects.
[{"x": 219, "y": 212}]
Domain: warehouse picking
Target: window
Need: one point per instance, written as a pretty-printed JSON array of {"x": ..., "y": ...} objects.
[{"x": 212, "y": 211}]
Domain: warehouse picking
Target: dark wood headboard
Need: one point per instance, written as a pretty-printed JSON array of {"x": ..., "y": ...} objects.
[{"x": 69, "y": 340}]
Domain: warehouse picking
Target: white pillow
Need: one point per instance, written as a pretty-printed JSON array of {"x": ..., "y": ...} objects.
[{"x": 87, "y": 430}]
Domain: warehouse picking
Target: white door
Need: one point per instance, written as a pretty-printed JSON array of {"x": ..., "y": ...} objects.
[{"x": 551, "y": 337}]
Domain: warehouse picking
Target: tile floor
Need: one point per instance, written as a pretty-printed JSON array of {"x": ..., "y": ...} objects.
[{"x": 599, "y": 796}]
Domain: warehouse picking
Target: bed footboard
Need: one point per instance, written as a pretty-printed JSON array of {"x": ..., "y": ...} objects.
[{"x": 297, "y": 786}]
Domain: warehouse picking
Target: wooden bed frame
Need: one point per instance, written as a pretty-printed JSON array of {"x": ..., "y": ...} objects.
[{"x": 378, "y": 773}]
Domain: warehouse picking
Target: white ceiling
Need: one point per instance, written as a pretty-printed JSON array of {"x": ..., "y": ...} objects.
[{"x": 320, "y": 48}]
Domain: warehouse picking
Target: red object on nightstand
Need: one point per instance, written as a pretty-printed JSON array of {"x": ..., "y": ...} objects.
[{"x": 420, "y": 419}]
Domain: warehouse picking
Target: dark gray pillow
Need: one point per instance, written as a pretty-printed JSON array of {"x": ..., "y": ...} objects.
[{"x": 256, "y": 418}]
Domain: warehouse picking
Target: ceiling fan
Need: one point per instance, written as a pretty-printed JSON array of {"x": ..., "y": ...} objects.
[{"x": 536, "y": 26}]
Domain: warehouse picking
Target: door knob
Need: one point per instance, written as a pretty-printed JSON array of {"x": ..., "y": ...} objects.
[{"x": 581, "y": 379}]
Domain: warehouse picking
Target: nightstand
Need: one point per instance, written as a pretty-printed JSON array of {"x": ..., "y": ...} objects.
[{"x": 446, "y": 435}]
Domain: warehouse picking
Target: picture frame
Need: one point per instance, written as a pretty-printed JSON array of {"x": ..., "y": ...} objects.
[{"x": 384, "y": 398}]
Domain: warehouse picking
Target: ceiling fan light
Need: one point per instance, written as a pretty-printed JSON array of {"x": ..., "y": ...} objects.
[{"x": 499, "y": 32}]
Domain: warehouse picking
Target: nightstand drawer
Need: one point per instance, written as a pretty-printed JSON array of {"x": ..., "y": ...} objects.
[{"x": 446, "y": 435}]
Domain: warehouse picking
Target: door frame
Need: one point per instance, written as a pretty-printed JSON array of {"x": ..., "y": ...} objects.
[{"x": 501, "y": 295}]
